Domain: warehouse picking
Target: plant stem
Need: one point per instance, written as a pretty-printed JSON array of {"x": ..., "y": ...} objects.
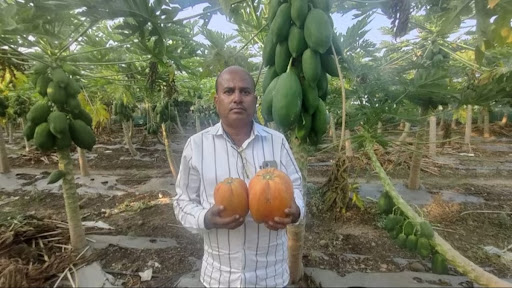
[
  {"x": 76, "y": 38},
  {"x": 343, "y": 99}
]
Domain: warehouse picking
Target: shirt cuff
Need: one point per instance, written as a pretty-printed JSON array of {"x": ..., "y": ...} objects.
[{"x": 200, "y": 220}]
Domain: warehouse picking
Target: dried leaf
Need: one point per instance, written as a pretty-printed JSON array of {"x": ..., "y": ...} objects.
[{"x": 492, "y": 3}]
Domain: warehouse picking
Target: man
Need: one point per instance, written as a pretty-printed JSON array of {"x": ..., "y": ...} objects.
[{"x": 237, "y": 251}]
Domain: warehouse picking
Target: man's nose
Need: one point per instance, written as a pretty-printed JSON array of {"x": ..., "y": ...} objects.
[{"x": 238, "y": 96}]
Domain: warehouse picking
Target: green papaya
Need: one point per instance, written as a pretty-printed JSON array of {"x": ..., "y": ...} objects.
[
  {"x": 280, "y": 26},
  {"x": 270, "y": 74},
  {"x": 283, "y": 56},
  {"x": 42, "y": 84},
  {"x": 56, "y": 93},
  {"x": 311, "y": 66},
  {"x": 423, "y": 247},
  {"x": 329, "y": 65},
  {"x": 56, "y": 176},
  {"x": 71, "y": 70},
  {"x": 320, "y": 120},
  {"x": 439, "y": 264},
  {"x": 84, "y": 116},
  {"x": 58, "y": 122},
  {"x": 269, "y": 51},
  {"x": 43, "y": 137},
  {"x": 29, "y": 130},
  {"x": 389, "y": 223},
  {"x": 299, "y": 11},
  {"x": 336, "y": 43},
  {"x": 426, "y": 230},
  {"x": 303, "y": 126},
  {"x": 318, "y": 30},
  {"x": 309, "y": 97},
  {"x": 82, "y": 135},
  {"x": 73, "y": 104},
  {"x": 40, "y": 68},
  {"x": 324, "y": 5},
  {"x": 60, "y": 77},
  {"x": 63, "y": 142},
  {"x": 73, "y": 89},
  {"x": 272, "y": 9},
  {"x": 39, "y": 113},
  {"x": 322, "y": 85},
  {"x": 287, "y": 100},
  {"x": 395, "y": 233},
  {"x": 408, "y": 228},
  {"x": 411, "y": 243},
  {"x": 385, "y": 203},
  {"x": 267, "y": 99},
  {"x": 296, "y": 41},
  {"x": 401, "y": 240}
]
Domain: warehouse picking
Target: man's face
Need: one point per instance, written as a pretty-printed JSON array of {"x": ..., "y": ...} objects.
[{"x": 235, "y": 99}]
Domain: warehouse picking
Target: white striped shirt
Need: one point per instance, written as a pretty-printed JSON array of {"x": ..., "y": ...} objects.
[{"x": 250, "y": 255}]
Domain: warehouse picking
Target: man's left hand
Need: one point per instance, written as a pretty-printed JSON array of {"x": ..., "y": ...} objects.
[{"x": 293, "y": 215}]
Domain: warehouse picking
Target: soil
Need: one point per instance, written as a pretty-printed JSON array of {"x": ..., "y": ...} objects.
[{"x": 352, "y": 242}]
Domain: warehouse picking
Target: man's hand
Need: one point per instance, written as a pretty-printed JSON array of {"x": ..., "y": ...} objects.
[
  {"x": 212, "y": 219},
  {"x": 293, "y": 215}
]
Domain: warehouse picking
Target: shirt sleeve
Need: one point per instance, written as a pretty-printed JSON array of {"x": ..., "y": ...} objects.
[
  {"x": 293, "y": 171},
  {"x": 187, "y": 203}
]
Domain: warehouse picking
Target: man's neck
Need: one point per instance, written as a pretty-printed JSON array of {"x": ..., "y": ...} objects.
[{"x": 239, "y": 134}]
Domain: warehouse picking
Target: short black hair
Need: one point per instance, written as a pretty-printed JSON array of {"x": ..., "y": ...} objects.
[{"x": 247, "y": 72}]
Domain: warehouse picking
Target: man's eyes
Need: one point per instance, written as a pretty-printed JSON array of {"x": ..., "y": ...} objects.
[{"x": 243, "y": 92}]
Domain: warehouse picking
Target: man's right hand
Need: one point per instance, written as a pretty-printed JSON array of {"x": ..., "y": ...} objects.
[{"x": 212, "y": 219}]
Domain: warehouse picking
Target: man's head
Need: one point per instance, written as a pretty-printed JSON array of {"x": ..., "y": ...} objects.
[{"x": 235, "y": 97}]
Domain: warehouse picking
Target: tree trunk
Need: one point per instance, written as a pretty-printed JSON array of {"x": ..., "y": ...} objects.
[
  {"x": 504, "y": 120},
  {"x": 441, "y": 124},
  {"x": 379, "y": 128},
  {"x": 432, "y": 136},
  {"x": 454, "y": 123},
  {"x": 27, "y": 145},
  {"x": 402, "y": 125},
  {"x": 178, "y": 121},
  {"x": 198, "y": 123},
  {"x": 485, "y": 111},
  {"x": 296, "y": 232},
  {"x": 10, "y": 132},
  {"x": 348, "y": 144},
  {"x": 168, "y": 151},
  {"x": 130, "y": 124},
  {"x": 128, "y": 138},
  {"x": 406, "y": 132},
  {"x": 82, "y": 160},
  {"x": 469, "y": 117},
  {"x": 332, "y": 131},
  {"x": 414, "y": 173},
  {"x": 76, "y": 230},
  {"x": 4, "y": 163},
  {"x": 480, "y": 119},
  {"x": 462, "y": 264}
]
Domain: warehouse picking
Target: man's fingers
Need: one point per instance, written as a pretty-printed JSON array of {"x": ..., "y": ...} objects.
[
  {"x": 216, "y": 210},
  {"x": 283, "y": 221}
]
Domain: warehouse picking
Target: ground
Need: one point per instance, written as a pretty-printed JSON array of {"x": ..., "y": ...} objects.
[{"x": 132, "y": 198}]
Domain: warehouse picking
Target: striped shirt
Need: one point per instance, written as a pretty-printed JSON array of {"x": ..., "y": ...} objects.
[{"x": 250, "y": 255}]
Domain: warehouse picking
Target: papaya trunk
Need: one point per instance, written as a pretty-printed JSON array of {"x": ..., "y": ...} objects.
[
  {"x": 198, "y": 123},
  {"x": 504, "y": 120},
  {"x": 4, "y": 164},
  {"x": 413, "y": 182},
  {"x": 379, "y": 127},
  {"x": 405, "y": 133},
  {"x": 462, "y": 264},
  {"x": 76, "y": 230},
  {"x": 296, "y": 232},
  {"x": 480, "y": 119},
  {"x": 348, "y": 144},
  {"x": 487, "y": 134},
  {"x": 432, "y": 136},
  {"x": 168, "y": 151},
  {"x": 469, "y": 117},
  {"x": 10, "y": 132},
  {"x": 454, "y": 123},
  {"x": 332, "y": 131},
  {"x": 27, "y": 145},
  {"x": 82, "y": 160},
  {"x": 128, "y": 138},
  {"x": 178, "y": 121},
  {"x": 402, "y": 125}
]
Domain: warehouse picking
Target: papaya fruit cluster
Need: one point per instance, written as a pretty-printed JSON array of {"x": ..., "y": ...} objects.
[
  {"x": 3, "y": 107},
  {"x": 414, "y": 237},
  {"x": 163, "y": 113},
  {"x": 298, "y": 56},
  {"x": 20, "y": 106},
  {"x": 436, "y": 54},
  {"x": 58, "y": 120},
  {"x": 123, "y": 111}
]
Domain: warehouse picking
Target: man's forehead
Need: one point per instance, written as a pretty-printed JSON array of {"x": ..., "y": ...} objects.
[{"x": 232, "y": 79}]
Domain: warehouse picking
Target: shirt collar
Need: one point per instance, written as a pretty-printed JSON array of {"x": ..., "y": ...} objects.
[{"x": 257, "y": 129}]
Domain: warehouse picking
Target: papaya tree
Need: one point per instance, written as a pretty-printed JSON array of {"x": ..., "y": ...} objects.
[{"x": 4, "y": 163}]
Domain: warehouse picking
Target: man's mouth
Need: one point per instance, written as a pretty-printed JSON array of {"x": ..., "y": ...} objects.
[{"x": 238, "y": 109}]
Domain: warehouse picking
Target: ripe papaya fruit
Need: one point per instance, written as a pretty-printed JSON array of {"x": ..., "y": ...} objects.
[
  {"x": 287, "y": 100},
  {"x": 318, "y": 30},
  {"x": 311, "y": 66},
  {"x": 280, "y": 26},
  {"x": 296, "y": 41},
  {"x": 299, "y": 11},
  {"x": 283, "y": 56}
]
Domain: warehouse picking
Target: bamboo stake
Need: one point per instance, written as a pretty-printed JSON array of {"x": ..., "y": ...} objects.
[{"x": 464, "y": 265}]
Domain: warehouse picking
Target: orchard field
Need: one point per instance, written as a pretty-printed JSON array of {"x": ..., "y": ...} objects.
[{"x": 404, "y": 145}]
